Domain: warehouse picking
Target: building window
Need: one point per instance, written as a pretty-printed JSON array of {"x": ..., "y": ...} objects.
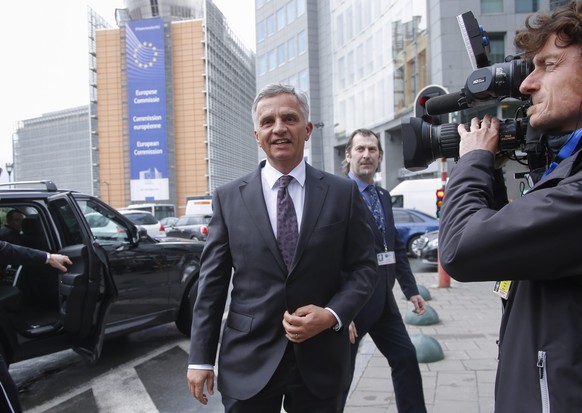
[
  {"x": 291, "y": 11},
  {"x": 497, "y": 47},
  {"x": 341, "y": 72},
  {"x": 491, "y": 6},
  {"x": 271, "y": 25},
  {"x": 339, "y": 30},
  {"x": 272, "y": 56},
  {"x": 291, "y": 49},
  {"x": 262, "y": 65},
  {"x": 526, "y": 6},
  {"x": 349, "y": 24},
  {"x": 293, "y": 81},
  {"x": 360, "y": 62},
  {"x": 260, "y": 3},
  {"x": 281, "y": 55},
  {"x": 350, "y": 68},
  {"x": 302, "y": 42},
  {"x": 304, "y": 80},
  {"x": 261, "y": 31},
  {"x": 281, "y": 18},
  {"x": 300, "y": 7}
]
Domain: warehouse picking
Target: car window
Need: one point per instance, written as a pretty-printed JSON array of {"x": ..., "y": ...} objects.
[
  {"x": 142, "y": 219},
  {"x": 104, "y": 226},
  {"x": 401, "y": 216},
  {"x": 66, "y": 221}
]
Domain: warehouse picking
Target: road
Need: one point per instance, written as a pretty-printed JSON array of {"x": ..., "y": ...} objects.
[{"x": 143, "y": 372}]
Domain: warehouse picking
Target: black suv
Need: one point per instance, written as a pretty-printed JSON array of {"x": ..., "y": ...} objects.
[{"x": 121, "y": 279}]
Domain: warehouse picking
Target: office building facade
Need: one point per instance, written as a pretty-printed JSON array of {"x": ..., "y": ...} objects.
[{"x": 173, "y": 91}]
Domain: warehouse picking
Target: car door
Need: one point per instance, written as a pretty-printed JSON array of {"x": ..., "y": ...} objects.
[
  {"x": 138, "y": 267},
  {"x": 85, "y": 290}
]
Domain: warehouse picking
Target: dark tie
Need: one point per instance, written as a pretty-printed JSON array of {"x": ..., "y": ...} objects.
[
  {"x": 376, "y": 208},
  {"x": 287, "y": 232}
]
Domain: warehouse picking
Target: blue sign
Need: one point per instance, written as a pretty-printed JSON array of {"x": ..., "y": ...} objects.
[{"x": 146, "y": 103}]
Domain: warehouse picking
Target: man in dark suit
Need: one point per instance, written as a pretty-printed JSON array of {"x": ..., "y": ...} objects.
[
  {"x": 286, "y": 336},
  {"x": 17, "y": 255},
  {"x": 12, "y": 230},
  {"x": 380, "y": 316}
]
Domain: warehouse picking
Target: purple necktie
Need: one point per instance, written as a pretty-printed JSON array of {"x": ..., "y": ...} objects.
[{"x": 287, "y": 232}]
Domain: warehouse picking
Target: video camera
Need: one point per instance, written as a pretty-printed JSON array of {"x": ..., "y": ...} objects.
[{"x": 424, "y": 140}]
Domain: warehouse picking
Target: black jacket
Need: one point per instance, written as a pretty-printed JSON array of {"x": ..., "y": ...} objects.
[{"x": 534, "y": 241}]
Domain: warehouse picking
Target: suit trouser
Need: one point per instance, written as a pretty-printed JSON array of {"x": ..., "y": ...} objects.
[
  {"x": 8, "y": 391},
  {"x": 391, "y": 338},
  {"x": 285, "y": 387}
]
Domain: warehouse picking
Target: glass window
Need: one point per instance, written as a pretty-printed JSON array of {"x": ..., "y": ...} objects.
[
  {"x": 350, "y": 68},
  {"x": 293, "y": 81},
  {"x": 281, "y": 18},
  {"x": 291, "y": 11},
  {"x": 349, "y": 24},
  {"x": 341, "y": 70},
  {"x": 304, "y": 80},
  {"x": 339, "y": 30},
  {"x": 360, "y": 62},
  {"x": 281, "y": 55},
  {"x": 302, "y": 42},
  {"x": 300, "y": 7},
  {"x": 526, "y": 6},
  {"x": 271, "y": 25},
  {"x": 262, "y": 65},
  {"x": 261, "y": 31},
  {"x": 491, "y": 6},
  {"x": 291, "y": 48},
  {"x": 272, "y": 59},
  {"x": 260, "y": 3},
  {"x": 358, "y": 18},
  {"x": 497, "y": 47}
]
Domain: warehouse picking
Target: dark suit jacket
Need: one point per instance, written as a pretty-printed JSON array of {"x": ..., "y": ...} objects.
[
  {"x": 334, "y": 237},
  {"x": 17, "y": 255},
  {"x": 383, "y": 297}
]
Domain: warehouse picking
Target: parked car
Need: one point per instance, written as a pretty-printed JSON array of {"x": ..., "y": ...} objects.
[
  {"x": 411, "y": 225},
  {"x": 428, "y": 246},
  {"x": 121, "y": 280},
  {"x": 190, "y": 226},
  {"x": 145, "y": 220},
  {"x": 168, "y": 222}
]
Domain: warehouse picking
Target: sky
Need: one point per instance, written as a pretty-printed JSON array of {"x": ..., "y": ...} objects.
[{"x": 45, "y": 56}]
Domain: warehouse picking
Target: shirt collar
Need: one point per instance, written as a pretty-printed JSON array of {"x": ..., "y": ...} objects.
[
  {"x": 361, "y": 184},
  {"x": 271, "y": 174}
]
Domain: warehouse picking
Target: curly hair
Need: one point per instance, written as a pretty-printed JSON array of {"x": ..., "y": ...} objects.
[{"x": 565, "y": 22}]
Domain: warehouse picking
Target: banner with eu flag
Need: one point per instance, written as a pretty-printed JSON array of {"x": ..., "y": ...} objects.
[{"x": 146, "y": 103}]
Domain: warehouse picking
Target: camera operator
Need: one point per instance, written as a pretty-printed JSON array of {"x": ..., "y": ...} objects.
[{"x": 533, "y": 240}]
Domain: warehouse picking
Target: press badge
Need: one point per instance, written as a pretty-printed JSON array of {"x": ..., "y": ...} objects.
[
  {"x": 386, "y": 257},
  {"x": 502, "y": 289}
]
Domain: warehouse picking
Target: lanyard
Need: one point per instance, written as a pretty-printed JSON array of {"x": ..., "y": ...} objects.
[{"x": 567, "y": 150}]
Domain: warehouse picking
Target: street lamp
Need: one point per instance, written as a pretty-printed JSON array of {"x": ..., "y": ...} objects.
[{"x": 9, "y": 169}]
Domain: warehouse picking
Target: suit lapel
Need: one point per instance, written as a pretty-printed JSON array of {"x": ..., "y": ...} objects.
[
  {"x": 315, "y": 193},
  {"x": 252, "y": 195}
]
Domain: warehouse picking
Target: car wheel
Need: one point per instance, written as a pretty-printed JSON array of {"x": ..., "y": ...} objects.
[
  {"x": 184, "y": 320},
  {"x": 414, "y": 246}
]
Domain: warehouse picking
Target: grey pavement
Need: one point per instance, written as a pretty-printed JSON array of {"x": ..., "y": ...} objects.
[{"x": 469, "y": 317}]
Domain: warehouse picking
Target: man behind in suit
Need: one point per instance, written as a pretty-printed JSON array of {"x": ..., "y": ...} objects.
[
  {"x": 12, "y": 230},
  {"x": 380, "y": 316},
  {"x": 285, "y": 339}
]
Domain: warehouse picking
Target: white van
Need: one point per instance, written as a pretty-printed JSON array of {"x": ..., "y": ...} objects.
[
  {"x": 419, "y": 194},
  {"x": 199, "y": 206},
  {"x": 157, "y": 210}
]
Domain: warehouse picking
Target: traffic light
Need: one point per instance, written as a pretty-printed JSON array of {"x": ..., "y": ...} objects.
[
  {"x": 420, "y": 105},
  {"x": 440, "y": 195}
]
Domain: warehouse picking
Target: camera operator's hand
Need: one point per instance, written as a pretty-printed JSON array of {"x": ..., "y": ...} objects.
[{"x": 483, "y": 135}]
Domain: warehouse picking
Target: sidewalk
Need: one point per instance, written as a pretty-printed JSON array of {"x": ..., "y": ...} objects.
[{"x": 463, "y": 381}]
